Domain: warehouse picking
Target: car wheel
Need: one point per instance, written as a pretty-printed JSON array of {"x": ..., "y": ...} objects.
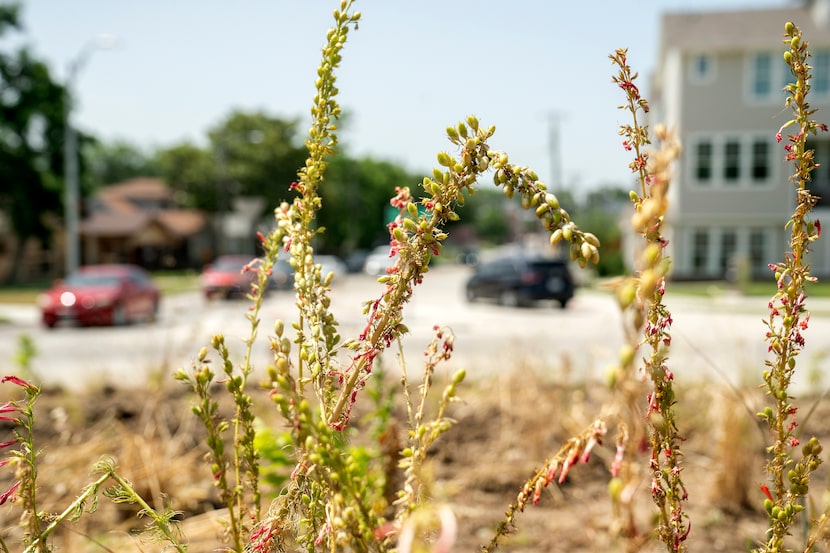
[
  {"x": 563, "y": 303},
  {"x": 119, "y": 315},
  {"x": 509, "y": 298},
  {"x": 470, "y": 295}
]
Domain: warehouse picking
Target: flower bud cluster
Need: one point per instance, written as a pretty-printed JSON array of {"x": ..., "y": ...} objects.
[
  {"x": 641, "y": 299},
  {"x": 788, "y": 315}
]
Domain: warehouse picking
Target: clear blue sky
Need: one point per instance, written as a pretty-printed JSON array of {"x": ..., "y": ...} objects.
[{"x": 412, "y": 69}]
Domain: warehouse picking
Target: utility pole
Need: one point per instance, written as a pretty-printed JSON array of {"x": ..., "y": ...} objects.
[
  {"x": 72, "y": 196},
  {"x": 554, "y": 143}
]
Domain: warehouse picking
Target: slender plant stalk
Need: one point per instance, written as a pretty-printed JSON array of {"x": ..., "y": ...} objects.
[
  {"x": 645, "y": 295},
  {"x": 789, "y": 475}
]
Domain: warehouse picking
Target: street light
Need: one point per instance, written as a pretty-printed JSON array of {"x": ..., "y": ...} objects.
[{"x": 70, "y": 151}]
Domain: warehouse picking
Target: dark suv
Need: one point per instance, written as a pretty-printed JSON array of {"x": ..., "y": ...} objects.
[{"x": 521, "y": 280}]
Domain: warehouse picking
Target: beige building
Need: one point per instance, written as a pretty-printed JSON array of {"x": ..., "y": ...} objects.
[{"x": 719, "y": 83}]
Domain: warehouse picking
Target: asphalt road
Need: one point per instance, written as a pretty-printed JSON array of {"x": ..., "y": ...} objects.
[{"x": 712, "y": 339}]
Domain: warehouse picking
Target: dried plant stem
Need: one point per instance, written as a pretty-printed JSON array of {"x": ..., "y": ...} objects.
[
  {"x": 644, "y": 295},
  {"x": 788, "y": 315}
]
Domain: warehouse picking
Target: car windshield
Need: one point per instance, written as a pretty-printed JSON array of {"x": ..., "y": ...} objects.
[
  {"x": 81, "y": 280},
  {"x": 230, "y": 264}
]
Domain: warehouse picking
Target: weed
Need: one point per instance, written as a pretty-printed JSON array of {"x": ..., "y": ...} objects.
[{"x": 349, "y": 490}]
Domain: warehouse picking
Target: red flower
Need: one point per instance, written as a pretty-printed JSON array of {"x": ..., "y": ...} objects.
[
  {"x": 17, "y": 380},
  {"x": 8, "y": 493}
]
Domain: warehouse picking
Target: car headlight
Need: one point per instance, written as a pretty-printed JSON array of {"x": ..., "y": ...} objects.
[{"x": 68, "y": 299}]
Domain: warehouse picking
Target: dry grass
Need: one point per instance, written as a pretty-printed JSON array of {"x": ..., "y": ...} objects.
[{"x": 505, "y": 429}]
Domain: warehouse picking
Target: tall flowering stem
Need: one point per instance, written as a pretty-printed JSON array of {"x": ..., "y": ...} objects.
[
  {"x": 788, "y": 315},
  {"x": 644, "y": 295},
  {"x": 416, "y": 235}
]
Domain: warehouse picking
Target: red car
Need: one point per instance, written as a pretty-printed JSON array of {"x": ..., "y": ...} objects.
[
  {"x": 101, "y": 295},
  {"x": 225, "y": 277}
]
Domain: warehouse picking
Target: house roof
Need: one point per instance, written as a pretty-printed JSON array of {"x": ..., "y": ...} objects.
[
  {"x": 737, "y": 30},
  {"x": 118, "y": 211}
]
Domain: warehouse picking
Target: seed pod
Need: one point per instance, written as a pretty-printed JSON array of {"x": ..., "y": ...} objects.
[
  {"x": 586, "y": 249},
  {"x": 552, "y": 201}
]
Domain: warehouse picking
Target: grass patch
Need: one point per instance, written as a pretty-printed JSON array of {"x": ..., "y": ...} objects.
[
  {"x": 170, "y": 282},
  {"x": 760, "y": 288}
]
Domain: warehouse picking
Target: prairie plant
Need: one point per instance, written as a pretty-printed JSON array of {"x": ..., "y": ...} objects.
[
  {"x": 332, "y": 498},
  {"x": 650, "y": 319},
  {"x": 353, "y": 497},
  {"x": 37, "y": 526},
  {"x": 789, "y": 473}
]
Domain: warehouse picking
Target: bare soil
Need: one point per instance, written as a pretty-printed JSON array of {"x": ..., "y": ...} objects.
[{"x": 506, "y": 428}]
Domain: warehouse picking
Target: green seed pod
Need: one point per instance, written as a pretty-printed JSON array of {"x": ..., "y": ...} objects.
[
  {"x": 795, "y": 42},
  {"x": 462, "y": 130},
  {"x": 788, "y": 57},
  {"x": 444, "y": 159},
  {"x": 552, "y": 201},
  {"x": 789, "y": 28},
  {"x": 452, "y": 133},
  {"x": 555, "y": 237},
  {"x": 567, "y": 232}
]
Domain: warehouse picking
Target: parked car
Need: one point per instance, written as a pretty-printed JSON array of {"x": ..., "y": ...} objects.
[
  {"x": 282, "y": 277},
  {"x": 356, "y": 260},
  {"x": 520, "y": 280},
  {"x": 115, "y": 294},
  {"x": 226, "y": 277},
  {"x": 331, "y": 264},
  {"x": 379, "y": 260}
]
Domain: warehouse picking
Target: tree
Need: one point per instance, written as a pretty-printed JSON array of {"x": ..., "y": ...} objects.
[
  {"x": 191, "y": 171},
  {"x": 355, "y": 197},
  {"x": 256, "y": 155},
  {"x": 31, "y": 141},
  {"x": 117, "y": 161}
]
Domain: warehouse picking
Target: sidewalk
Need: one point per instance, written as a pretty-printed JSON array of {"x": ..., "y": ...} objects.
[{"x": 19, "y": 315}]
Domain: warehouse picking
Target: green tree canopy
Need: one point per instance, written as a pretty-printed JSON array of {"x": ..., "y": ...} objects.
[
  {"x": 31, "y": 139},
  {"x": 116, "y": 161}
]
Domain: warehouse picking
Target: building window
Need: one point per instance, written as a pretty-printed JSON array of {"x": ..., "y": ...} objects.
[
  {"x": 703, "y": 162},
  {"x": 732, "y": 161},
  {"x": 819, "y": 184},
  {"x": 758, "y": 251},
  {"x": 700, "y": 250},
  {"x": 760, "y": 160},
  {"x": 702, "y": 68},
  {"x": 728, "y": 245},
  {"x": 762, "y": 75}
]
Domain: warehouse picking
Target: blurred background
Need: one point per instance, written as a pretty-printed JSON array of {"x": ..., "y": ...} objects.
[{"x": 164, "y": 134}]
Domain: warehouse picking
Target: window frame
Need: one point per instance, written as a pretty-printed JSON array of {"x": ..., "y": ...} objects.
[
  {"x": 705, "y": 76},
  {"x": 745, "y": 165}
]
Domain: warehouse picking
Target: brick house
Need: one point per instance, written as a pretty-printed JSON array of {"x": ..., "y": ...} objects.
[{"x": 138, "y": 221}]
